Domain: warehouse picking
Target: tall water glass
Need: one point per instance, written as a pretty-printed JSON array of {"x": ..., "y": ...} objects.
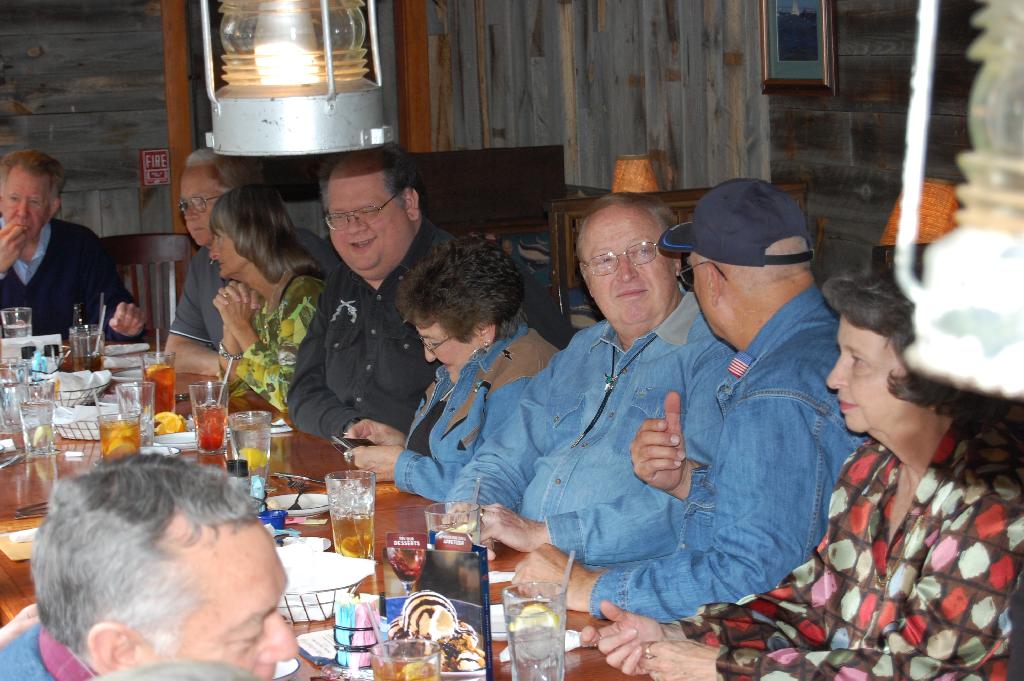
[
  {"x": 16, "y": 370},
  {"x": 137, "y": 397},
  {"x": 535, "y": 620},
  {"x": 210, "y": 413},
  {"x": 250, "y": 440},
  {"x": 42, "y": 391},
  {"x": 17, "y": 321},
  {"x": 350, "y": 495},
  {"x": 37, "y": 427},
  {"x": 11, "y": 397}
]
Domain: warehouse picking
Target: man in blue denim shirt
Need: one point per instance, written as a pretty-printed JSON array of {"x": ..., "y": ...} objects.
[
  {"x": 757, "y": 488},
  {"x": 559, "y": 471}
]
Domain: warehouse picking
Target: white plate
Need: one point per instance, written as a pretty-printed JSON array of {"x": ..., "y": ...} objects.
[
  {"x": 285, "y": 668},
  {"x": 186, "y": 440},
  {"x": 160, "y": 451},
  {"x": 311, "y": 504},
  {"x": 463, "y": 675}
]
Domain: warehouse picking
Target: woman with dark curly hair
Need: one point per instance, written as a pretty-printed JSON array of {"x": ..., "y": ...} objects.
[
  {"x": 924, "y": 545},
  {"x": 466, "y": 301},
  {"x": 271, "y": 294}
]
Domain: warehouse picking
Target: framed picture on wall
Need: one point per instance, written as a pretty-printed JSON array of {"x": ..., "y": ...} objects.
[{"x": 798, "y": 47}]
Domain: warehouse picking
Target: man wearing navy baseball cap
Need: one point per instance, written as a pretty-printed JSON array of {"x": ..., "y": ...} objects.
[{"x": 778, "y": 439}]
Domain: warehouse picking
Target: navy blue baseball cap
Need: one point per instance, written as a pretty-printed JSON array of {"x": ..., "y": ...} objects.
[{"x": 737, "y": 221}]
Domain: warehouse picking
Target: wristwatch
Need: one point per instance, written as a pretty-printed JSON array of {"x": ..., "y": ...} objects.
[{"x": 227, "y": 355}]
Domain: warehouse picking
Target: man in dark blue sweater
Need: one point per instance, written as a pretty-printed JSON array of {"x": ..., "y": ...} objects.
[{"x": 48, "y": 264}]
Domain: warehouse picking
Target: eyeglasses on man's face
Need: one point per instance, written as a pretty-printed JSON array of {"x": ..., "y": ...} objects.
[
  {"x": 686, "y": 274},
  {"x": 606, "y": 263},
  {"x": 432, "y": 346},
  {"x": 366, "y": 215},
  {"x": 197, "y": 203}
]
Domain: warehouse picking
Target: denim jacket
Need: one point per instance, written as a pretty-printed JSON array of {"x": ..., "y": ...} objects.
[
  {"x": 541, "y": 465},
  {"x": 772, "y": 441},
  {"x": 481, "y": 400}
]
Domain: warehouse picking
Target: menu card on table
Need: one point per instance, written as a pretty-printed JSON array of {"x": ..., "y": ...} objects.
[{"x": 441, "y": 594}]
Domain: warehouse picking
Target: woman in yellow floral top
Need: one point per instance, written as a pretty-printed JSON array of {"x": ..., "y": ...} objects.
[
  {"x": 924, "y": 546},
  {"x": 272, "y": 291}
]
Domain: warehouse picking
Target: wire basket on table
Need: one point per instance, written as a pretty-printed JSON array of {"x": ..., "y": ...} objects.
[
  {"x": 73, "y": 398},
  {"x": 79, "y": 430},
  {"x": 312, "y": 605}
]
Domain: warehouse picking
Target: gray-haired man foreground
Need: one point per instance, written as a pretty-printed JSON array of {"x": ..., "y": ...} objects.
[{"x": 145, "y": 559}]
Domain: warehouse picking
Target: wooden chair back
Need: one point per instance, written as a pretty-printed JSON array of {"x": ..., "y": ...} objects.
[
  {"x": 153, "y": 268},
  {"x": 565, "y": 216}
]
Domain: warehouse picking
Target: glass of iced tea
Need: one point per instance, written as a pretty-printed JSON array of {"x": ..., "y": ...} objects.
[
  {"x": 86, "y": 347},
  {"x": 120, "y": 435},
  {"x": 406, "y": 660},
  {"x": 159, "y": 368},
  {"x": 350, "y": 495},
  {"x": 210, "y": 413}
]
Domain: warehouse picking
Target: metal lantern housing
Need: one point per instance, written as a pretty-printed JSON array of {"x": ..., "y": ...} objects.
[
  {"x": 295, "y": 74},
  {"x": 969, "y": 309}
]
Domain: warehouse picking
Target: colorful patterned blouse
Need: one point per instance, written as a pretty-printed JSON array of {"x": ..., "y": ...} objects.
[
  {"x": 269, "y": 363},
  {"x": 931, "y": 604}
]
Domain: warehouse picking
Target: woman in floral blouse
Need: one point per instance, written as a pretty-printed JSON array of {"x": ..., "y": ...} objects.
[
  {"x": 271, "y": 294},
  {"x": 923, "y": 550}
]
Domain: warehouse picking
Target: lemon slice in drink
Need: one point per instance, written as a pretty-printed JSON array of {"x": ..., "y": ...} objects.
[
  {"x": 534, "y": 615},
  {"x": 257, "y": 458},
  {"x": 40, "y": 435}
]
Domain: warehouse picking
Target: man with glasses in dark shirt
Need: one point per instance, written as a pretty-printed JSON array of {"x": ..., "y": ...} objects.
[{"x": 359, "y": 358}]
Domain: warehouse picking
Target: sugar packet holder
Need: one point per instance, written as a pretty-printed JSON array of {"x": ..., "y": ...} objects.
[{"x": 356, "y": 629}]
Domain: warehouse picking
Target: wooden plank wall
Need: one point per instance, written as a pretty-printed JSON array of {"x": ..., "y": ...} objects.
[
  {"x": 849, "y": 149},
  {"x": 83, "y": 81},
  {"x": 673, "y": 78}
]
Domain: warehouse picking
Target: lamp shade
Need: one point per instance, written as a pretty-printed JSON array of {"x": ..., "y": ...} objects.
[
  {"x": 936, "y": 215},
  {"x": 634, "y": 174}
]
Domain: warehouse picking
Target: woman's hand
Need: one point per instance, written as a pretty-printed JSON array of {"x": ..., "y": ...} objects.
[
  {"x": 679, "y": 661},
  {"x": 622, "y": 642},
  {"x": 379, "y": 433},
  {"x": 237, "y": 303},
  {"x": 379, "y": 459}
]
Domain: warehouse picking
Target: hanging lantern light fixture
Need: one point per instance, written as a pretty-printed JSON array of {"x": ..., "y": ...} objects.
[
  {"x": 295, "y": 74},
  {"x": 969, "y": 307}
]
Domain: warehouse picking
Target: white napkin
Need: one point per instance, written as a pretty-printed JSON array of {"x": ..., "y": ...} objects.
[
  {"x": 572, "y": 642},
  {"x": 22, "y": 536},
  {"x": 65, "y": 415},
  {"x": 125, "y": 349},
  {"x": 499, "y": 576},
  {"x": 308, "y": 571},
  {"x": 81, "y": 380},
  {"x": 128, "y": 362}
]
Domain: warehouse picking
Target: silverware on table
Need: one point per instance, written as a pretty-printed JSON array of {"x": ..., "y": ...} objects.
[
  {"x": 300, "y": 488},
  {"x": 31, "y": 511},
  {"x": 11, "y": 460},
  {"x": 296, "y": 476}
]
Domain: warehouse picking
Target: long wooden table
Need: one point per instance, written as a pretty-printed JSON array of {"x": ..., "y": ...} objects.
[{"x": 29, "y": 482}]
